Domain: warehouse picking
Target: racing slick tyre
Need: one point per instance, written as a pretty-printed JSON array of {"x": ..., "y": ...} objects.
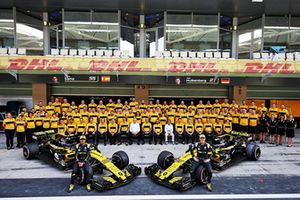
[
  {"x": 120, "y": 159},
  {"x": 30, "y": 151},
  {"x": 201, "y": 175},
  {"x": 253, "y": 151},
  {"x": 165, "y": 159}
]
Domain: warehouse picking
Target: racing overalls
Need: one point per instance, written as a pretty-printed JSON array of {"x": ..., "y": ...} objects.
[{"x": 82, "y": 155}]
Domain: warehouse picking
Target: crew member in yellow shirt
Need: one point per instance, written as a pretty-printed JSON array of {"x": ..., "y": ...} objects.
[
  {"x": 158, "y": 132},
  {"x": 198, "y": 128},
  {"x": 123, "y": 130},
  {"x": 227, "y": 127},
  {"x": 61, "y": 128},
  {"x": 218, "y": 127},
  {"x": 112, "y": 131},
  {"x": 30, "y": 127},
  {"x": 102, "y": 130},
  {"x": 92, "y": 105},
  {"x": 189, "y": 130},
  {"x": 54, "y": 122},
  {"x": 71, "y": 127},
  {"x": 80, "y": 127},
  {"x": 38, "y": 122},
  {"x": 46, "y": 122},
  {"x": 283, "y": 111},
  {"x": 65, "y": 106},
  {"x": 146, "y": 131},
  {"x": 235, "y": 119},
  {"x": 9, "y": 129},
  {"x": 91, "y": 129},
  {"x": 244, "y": 121},
  {"x": 253, "y": 119},
  {"x": 179, "y": 132},
  {"x": 57, "y": 106},
  {"x": 20, "y": 131},
  {"x": 50, "y": 109},
  {"x": 273, "y": 111}
]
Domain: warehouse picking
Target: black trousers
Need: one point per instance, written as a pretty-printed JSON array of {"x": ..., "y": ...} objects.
[
  {"x": 90, "y": 137},
  {"x": 149, "y": 135},
  {"x": 38, "y": 128},
  {"x": 178, "y": 136},
  {"x": 125, "y": 133},
  {"x": 9, "y": 138},
  {"x": 29, "y": 133},
  {"x": 87, "y": 169},
  {"x": 131, "y": 136},
  {"x": 113, "y": 138},
  {"x": 207, "y": 165},
  {"x": 20, "y": 139},
  {"x": 104, "y": 136},
  {"x": 190, "y": 136},
  {"x": 158, "y": 136}
]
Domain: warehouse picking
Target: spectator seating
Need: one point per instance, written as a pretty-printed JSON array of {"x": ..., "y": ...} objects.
[{"x": 12, "y": 51}]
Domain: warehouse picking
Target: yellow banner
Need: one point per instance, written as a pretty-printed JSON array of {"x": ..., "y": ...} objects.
[{"x": 51, "y": 63}]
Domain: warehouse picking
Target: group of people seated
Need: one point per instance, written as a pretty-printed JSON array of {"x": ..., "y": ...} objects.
[{"x": 119, "y": 121}]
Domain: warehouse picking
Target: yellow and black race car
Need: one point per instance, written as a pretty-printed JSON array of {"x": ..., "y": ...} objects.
[
  {"x": 61, "y": 151},
  {"x": 180, "y": 174}
]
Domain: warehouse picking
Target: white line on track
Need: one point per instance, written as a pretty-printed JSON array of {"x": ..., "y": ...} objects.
[{"x": 163, "y": 197}]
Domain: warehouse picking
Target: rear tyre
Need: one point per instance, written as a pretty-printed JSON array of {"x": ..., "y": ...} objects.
[
  {"x": 201, "y": 175},
  {"x": 120, "y": 159},
  {"x": 253, "y": 151},
  {"x": 165, "y": 159},
  {"x": 30, "y": 151}
]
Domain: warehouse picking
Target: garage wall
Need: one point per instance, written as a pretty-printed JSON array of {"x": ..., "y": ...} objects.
[
  {"x": 91, "y": 90},
  {"x": 273, "y": 92},
  {"x": 195, "y": 91}
]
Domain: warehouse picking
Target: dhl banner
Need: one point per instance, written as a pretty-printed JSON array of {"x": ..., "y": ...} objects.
[{"x": 151, "y": 65}]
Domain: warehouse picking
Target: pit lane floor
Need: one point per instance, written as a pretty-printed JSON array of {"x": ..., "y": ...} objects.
[{"x": 276, "y": 175}]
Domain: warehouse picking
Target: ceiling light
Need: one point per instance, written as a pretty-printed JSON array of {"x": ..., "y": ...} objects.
[{"x": 257, "y": 1}]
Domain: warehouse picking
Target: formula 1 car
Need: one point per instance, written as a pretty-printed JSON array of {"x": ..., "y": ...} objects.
[
  {"x": 180, "y": 175},
  {"x": 61, "y": 150}
]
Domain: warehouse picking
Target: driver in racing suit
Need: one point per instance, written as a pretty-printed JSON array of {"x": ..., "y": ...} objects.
[
  {"x": 82, "y": 155},
  {"x": 202, "y": 158}
]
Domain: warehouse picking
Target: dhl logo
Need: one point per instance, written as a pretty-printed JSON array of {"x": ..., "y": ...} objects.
[
  {"x": 205, "y": 67},
  {"x": 282, "y": 68}
]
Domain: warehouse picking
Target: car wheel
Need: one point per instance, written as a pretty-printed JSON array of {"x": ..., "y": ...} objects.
[
  {"x": 253, "y": 151},
  {"x": 120, "y": 159},
  {"x": 201, "y": 175},
  {"x": 30, "y": 151},
  {"x": 165, "y": 159}
]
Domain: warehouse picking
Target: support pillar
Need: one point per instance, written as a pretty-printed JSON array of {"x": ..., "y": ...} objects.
[
  {"x": 46, "y": 34},
  {"x": 39, "y": 93},
  {"x": 239, "y": 93},
  {"x": 141, "y": 93}
]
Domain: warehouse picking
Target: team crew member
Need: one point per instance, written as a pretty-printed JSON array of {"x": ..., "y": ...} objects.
[
  {"x": 262, "y": 128},
  {"x": 123, "y": 130},
  {"x": 227, "y": 127},
  {"x": 253, "y": 119},
  {"x": 235, "y": 120},
  {"x": 9, "y": 129},
  {"x": 208, "y": 129},
  {"x": 158, "y": 132},
  {"x": 290, "y": 130},
  {"x": 283, "y": 111},
  {"x": 91, "y": 129},
  {"x": 147, "y": 131},
  {"x": 20, "y": 131},
  {"x": 198, "y": 128},
  {"x": 272, "y": 126},
  {"x": 65, "y": 106},
  {"x": 61, "y": 128},
  {"x": 80, "y": 127},
  {"x": 112, "y": 132},
  {"x": 218, "y": 127},
  {"x": 71, "y": 127},
  {"x": 179, "y": 132},
  {"x": 102, "y": 130},
  {"x": 46, "y": 122},
  {"x": 273, "y": 111},
  {"x": 135, "y": 131},
  {"x": 50, "y": 109},
  {"x": 189, "y": 129},
  {"x": 169, "y": 131},
  {"x": 82, "y": 155},
  {"x": 244, "y": 121},
  {"x": 202, "y": 158},
  {"x": 30, "y": 127},
  {"x": 38, "y": 122},
  {"x": 280, "y": 129},
  {"x": 54, "y": 122},
  {"x": 57, "y": 106}
]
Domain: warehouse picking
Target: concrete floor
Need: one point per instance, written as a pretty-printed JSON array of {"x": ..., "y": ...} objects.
[{"x": 277, "y": 171}]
